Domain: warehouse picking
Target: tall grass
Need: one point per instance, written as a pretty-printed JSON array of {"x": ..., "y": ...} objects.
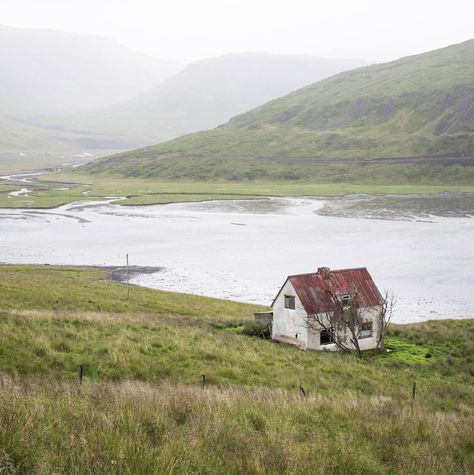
[{"x": 130, "y": 427}]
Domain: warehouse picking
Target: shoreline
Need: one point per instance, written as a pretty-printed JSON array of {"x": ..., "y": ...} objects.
[
  {"x": 60, "y": 188},
  {"x": 118, "y": 275},
  {"x": 421, "y": 207}
]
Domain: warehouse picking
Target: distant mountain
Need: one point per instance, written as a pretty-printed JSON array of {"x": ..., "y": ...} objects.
[
  {"x": 418, "y": 106},
  {"x": 50, "y": 73},
  {"x": 46, "y": 73},
  {"x": 204, "y": 95}
]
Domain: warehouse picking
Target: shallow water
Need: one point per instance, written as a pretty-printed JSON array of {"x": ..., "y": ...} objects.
[
  {"x": 401, "y": 207},
  {"x": 244, "y": 250}
]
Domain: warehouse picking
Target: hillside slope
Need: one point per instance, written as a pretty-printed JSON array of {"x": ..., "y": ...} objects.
[
  {"x": 140, "y": 408},
  {"x": 417, "y": 106},
  {"x": 204, "y": 95},
  {"x": 47, "y": 72}
]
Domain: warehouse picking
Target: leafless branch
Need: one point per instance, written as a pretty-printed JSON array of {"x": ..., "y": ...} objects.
[
  {"x": 345, "y": 321},
  {"x": 385, "y": 317}
]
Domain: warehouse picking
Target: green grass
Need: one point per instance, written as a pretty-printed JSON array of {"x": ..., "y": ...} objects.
[
  {"x": 155, "y": 335},
  {"x": 135, "y": 428},
  {"x": 50, "y": 426},
  {"x": 85, "y": 289},
  {"x": 211, "y": 166},
  {"x": 407, "y": 352},
  {"x": 166, "y": 198},
  {"x": 140, "y": 409},
  {"x": 150, "y": 191},
  {"x": 7, "y": 187}
]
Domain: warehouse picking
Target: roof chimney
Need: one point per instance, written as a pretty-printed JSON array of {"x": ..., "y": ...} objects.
[{"x": 324, "y": 272}]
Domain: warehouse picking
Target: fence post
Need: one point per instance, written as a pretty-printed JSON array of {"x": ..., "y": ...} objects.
[
  {"x": 128, "y": 280},
  {"x": 203, "y": 381},
  {"x": 302, "y": 391},
  {"x": 81, "y": 373},
  {"x": 413, "y": 391}
]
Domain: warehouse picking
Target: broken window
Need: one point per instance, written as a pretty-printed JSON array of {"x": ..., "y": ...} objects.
[
  {"x": 366, "y": 330},
  {"x": 326, "y": 337},
  {"x": 290, "y": 301},
  {"x": 345, "y": 299}
]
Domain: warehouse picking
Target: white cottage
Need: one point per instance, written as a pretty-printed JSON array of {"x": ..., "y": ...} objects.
[{"x": 312, "y": 295}]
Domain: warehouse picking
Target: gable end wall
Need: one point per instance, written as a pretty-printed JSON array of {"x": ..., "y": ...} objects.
[{"x": 288, "y": 323}]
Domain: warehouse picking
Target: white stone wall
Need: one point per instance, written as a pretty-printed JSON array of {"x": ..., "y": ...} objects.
[
  {"x": 288, "y": 323},
  {"x": 371, "y": 314}
]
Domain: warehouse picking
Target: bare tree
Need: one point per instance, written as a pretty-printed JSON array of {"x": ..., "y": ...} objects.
[
  {"x": 344, "y": 322},
  {"x": 385, "y": 318}
]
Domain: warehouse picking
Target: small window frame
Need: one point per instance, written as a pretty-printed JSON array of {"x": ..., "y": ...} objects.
[
  {"x": 289, "y": 302},
  {"x": 367, "y": 332},
  {"x": 345, "y": 300},
  {"x": 328, "y": 338}
]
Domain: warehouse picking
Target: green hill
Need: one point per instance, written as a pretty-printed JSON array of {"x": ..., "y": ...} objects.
[{"x": 418, "y": 106}]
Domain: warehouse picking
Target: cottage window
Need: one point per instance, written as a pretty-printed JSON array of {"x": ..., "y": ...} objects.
[
  {"x": 326, "y": 337},
  {"x": 366, "y": 330},
  {"x": 290, "y": 302},
  {"x": 345, "y": 299}
]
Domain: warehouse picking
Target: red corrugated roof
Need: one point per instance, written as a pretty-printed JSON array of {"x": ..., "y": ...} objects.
[{"x": 315, "y": 291}]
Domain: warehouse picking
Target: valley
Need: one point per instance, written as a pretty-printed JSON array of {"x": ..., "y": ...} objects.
[{"x": 152, "y": 209}]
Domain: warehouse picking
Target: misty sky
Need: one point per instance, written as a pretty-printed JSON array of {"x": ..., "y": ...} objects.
[{"x": 186, "y": 30}]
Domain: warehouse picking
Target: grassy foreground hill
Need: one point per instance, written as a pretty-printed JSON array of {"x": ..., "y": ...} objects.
[
  {"x": 337, "y": 129},
  {"x": 140, "y": 408}
]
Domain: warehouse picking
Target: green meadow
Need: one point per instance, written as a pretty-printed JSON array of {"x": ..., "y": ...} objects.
[{"x": 139, "y": 191}]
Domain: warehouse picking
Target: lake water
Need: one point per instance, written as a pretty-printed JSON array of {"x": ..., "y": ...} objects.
[{"x": 243, "y": 250}]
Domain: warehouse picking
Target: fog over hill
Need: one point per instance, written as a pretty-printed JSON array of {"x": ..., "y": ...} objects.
[
  {"x": 206, "y": 94},
  {"x": 47, "y": 73},
  {"x": 67, "y": 93},
  {"x": 51, "y": 73}
]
